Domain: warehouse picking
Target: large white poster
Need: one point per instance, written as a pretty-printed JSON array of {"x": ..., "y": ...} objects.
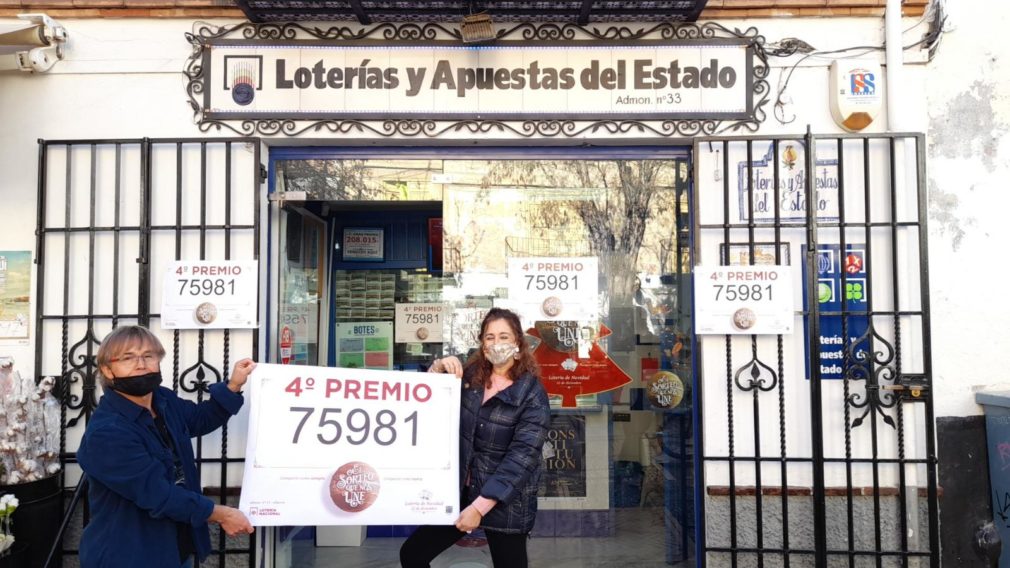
[{"x": 330, "y": 446}]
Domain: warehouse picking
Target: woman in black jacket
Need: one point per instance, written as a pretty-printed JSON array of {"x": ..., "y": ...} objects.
[{"x": 504, "y": 416}]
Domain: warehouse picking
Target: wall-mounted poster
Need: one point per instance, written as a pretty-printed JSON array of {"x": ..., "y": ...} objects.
[
  {"x": 564, "y": 473},
  {"x": 363, "y": 245},
  {"x": 15, "y": 293},
  {"x": 365, "y": 345},
  {"x": 840, "y": 333},
  {"x": 210, "y": 294}
]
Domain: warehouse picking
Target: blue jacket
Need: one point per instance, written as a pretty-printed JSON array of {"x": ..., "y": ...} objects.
[
  {"x": 135, "y": 503},
  {"x": 500, "y": 448}
]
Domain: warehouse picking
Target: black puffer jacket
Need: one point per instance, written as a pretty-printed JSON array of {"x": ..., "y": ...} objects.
[{"x": 500, "y": 444}]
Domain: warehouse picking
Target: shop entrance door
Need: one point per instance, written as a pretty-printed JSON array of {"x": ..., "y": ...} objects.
[
  {"x": 464, "y": 231},
  {"x": 819, "y": 444}
]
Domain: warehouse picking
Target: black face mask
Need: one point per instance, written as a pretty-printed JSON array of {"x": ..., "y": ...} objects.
[{"x": 137, "y": 386}]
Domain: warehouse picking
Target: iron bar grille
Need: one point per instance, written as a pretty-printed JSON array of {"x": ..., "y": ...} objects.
[
  {"x": 111, "y": 215},
  {"x": 818, "y": 447},
  {"x": 575, "y": 11}
]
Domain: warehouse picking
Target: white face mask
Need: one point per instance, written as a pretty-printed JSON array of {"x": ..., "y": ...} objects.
[{"x": 500, "y": 353}]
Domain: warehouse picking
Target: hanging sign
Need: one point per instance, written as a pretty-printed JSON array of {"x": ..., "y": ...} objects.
[
  {"x": 419, "y": 323},
  {"x": 743, "y": 300},
  {"x": 555, "y": 288},
  {"x": 351, "y": 447},
  {"x": 210, "y": 294},
  {"x": 363, "y": 245}
]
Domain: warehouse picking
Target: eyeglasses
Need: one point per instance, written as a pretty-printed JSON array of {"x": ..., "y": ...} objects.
[{"x": 130, "y": 360}]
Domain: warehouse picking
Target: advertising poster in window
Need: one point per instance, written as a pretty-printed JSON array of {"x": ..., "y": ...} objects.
[
  {"x": 363, "y": 245},
  {"x": 564, "y": 371},
  {"x": 564, "y": 453},
  {"x": 364, "y": 345}
]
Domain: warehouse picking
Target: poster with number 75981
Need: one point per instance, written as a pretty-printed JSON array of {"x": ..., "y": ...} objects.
[
  {"x": 751, "y": 300},
  {"x": 333, "y": 446}
]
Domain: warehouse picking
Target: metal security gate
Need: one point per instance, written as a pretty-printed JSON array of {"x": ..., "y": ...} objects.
[
  {"x": 818, "y": 446},
  {"x": 111, "y": 214}
]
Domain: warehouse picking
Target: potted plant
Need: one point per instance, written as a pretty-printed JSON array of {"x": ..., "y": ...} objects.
[
  {"x": 8, "y": 504},
  {"x": 29, "y": 464}
]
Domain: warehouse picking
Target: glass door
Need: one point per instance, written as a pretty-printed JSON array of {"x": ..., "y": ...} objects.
[{"x": 594, "y": 254}]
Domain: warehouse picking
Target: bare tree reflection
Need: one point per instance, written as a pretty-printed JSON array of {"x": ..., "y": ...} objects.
[{"x": 614, "y": 206}]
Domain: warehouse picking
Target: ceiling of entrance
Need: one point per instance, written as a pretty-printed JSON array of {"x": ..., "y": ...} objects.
[{"x": 367, "y": 12}]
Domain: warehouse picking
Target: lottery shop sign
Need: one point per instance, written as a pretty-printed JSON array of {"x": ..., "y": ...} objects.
[{"x": 331, "y": 446}]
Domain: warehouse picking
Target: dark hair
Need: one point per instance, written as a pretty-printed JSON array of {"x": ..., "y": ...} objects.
[{"x": 482, "y": 367}]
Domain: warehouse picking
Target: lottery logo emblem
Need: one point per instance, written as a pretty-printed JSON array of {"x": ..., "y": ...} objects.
[
  {"x": 666, "y": 390},
  {"x": 354, "y": 487},
  {"x": 206, "y": 313},
  {"x": 552, "y": 306},
  {"x": 853, "y": 263},
  {"x": 744, "y": 318},
  {"x": 421, "y": 333}
]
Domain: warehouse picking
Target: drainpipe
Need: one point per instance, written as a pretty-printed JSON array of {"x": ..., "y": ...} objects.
[{"x": 893, "y": 59}]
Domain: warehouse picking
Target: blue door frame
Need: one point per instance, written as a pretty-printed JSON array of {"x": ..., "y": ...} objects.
[{"x": 626, "y": 152}]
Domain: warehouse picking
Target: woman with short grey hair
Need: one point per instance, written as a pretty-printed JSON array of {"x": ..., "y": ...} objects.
[{"x": 144, "y": 489}]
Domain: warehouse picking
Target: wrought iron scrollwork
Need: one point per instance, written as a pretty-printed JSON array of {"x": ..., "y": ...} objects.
[
  {"x": 195, "y": 378},
  {"x": 871, "y": 359},
  {"x": 755, "y": 374},
  {"x": 82, "y": 369},
  {"x": 204, "y": 36}
]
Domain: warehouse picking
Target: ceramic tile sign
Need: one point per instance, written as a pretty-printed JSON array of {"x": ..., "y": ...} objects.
[
  {"x": 332, "y": 446},
  {"x": 364, "y": 345},
  {"x": 750, "y": 300},
  {"x": 555, "y": 288},
  {"x": 210, "y": 294},
  {"x": 419, "y": 322}
]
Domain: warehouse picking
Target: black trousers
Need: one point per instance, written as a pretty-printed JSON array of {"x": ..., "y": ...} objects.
[{"x": 427, "y": 542}]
